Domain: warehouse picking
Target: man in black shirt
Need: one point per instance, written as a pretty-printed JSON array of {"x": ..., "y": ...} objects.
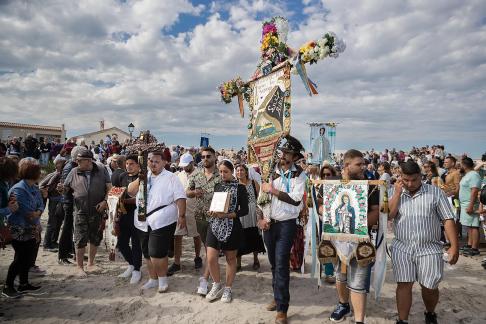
[{"x": 133, "y": 254}]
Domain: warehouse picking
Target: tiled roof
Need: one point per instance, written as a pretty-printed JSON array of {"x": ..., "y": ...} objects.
[{"x": 41, "y": 127}]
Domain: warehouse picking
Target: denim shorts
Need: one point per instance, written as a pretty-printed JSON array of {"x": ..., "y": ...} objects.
[{"x": 356, "y": 277}]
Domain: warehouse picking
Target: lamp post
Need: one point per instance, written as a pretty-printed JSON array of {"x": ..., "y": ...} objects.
[{"x": 131, "y": 127}]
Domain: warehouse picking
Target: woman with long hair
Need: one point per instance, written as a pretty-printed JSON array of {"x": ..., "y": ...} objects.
[
  {"x": 327, "y": 172},
  {"x": 384, "y": 170},
  {"x": 225, "y": 231},
  {"x": 252, "y": 241},
  {"x": 432, "y": 175},
  {"x": 25, "y": 227}
]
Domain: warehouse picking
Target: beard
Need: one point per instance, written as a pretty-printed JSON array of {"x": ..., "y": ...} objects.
[
  {"x": 284, "y": 162},
  {"x": 357, "y": 176},
  {"x": 207, "y": 164}
]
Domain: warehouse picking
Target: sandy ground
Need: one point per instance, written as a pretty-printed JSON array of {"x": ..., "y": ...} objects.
[{"x": 104, "y": 298}]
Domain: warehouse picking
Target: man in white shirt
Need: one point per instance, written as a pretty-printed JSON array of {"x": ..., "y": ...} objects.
[
  {"x": 166, "y": 207},
  {"x": 287, "y": 190},
  {"x": 187, "y": 163}
]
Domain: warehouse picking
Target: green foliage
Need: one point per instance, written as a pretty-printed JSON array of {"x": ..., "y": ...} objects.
[{"x": 49, "y": 168}]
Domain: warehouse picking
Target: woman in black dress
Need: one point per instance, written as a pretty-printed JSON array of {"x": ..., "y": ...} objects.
[{"x": 224, "y": 232}]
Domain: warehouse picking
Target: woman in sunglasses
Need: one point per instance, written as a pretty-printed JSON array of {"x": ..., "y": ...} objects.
[{"x": 327, "y": 172}]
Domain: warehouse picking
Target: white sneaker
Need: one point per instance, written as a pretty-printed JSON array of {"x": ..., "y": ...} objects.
[
  {"x": 136, "y": 276},
  {"x": 202, "y": 289},
  {"x": 151, "y": 283},
  {"x": 163, "y": 284},
  {"x": 216, "y": 292},
  {"x": 227, "y": 295},
  {"x": 127, "y": 272}
]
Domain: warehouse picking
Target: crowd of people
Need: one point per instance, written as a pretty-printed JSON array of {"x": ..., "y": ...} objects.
[{"x": 432, "y": 195}]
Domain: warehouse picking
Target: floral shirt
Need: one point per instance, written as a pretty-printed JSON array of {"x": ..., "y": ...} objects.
[{"x": 198, "y": 180}]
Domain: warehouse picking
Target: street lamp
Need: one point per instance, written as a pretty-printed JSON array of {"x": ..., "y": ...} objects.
[{"x": 131, "y": 127}]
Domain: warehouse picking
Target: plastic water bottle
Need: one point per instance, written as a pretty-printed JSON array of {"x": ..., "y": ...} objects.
[{"x": 448, "y": 266}]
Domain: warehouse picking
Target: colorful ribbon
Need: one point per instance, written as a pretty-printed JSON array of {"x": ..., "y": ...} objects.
[
  {"x": 240, "y": 104},
  {"x": 308, "y": 84}
]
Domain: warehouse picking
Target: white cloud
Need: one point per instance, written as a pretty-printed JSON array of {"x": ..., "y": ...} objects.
[{"x": 413, "y": 72}]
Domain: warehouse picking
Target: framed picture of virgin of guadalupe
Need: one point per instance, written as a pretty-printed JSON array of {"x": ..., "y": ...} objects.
[{"x": 345, "y": 210}]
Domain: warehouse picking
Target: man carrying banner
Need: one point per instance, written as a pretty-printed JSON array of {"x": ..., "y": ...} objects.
[
  {"x": 287, "y": 191},
  {"x": 417, "y": 211},
  {"x": 166, "y": 208},
  {"x": 353, "y": 280}
]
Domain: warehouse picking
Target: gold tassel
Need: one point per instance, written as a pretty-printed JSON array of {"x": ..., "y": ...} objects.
[{"x": 384, "y": 207}]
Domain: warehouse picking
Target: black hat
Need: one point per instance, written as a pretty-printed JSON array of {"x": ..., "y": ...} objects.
[
  {"x": 292, "y": 145},
  {"x": 85, "y": 155}
]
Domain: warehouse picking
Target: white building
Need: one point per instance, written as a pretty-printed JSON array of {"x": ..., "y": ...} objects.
[{"x": 96, "y": 137}]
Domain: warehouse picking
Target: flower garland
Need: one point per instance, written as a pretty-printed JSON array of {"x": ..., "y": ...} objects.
[
  {"x": 234, "y": 88},
  {"x": 328, "y": 45},
  {"x": 274, "y": 49}
]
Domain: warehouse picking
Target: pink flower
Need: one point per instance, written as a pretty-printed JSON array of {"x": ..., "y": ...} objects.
[{"x": 269, "y": 28}]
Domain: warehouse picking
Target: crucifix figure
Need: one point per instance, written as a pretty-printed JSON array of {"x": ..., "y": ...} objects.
[{"x": 268, "y": 92}]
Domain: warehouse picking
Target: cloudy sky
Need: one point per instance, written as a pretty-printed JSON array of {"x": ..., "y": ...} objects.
[{"x": 413, "y": 73}]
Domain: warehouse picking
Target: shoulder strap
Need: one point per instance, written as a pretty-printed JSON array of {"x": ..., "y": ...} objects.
[{"x": 156, "y": 209}]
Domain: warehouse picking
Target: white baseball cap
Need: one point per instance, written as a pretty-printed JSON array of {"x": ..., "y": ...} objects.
[{"x": 185, "y": 160}]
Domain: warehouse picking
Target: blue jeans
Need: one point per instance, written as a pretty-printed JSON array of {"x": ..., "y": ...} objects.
[
  {"x": 279, "y": 239},
  {"x": 44, "y": 159},
  {"x": 329, "y": 269}
]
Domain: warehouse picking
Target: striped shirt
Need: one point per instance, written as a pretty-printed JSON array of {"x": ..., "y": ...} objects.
[{"x": 417, "y": 226}]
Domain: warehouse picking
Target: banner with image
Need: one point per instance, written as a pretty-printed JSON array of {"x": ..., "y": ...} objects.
[
  {"x": 269, "y": 117},
  {"x": 345, "y": 211}
]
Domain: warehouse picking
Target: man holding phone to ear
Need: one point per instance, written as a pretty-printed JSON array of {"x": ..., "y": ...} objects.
[
  {"x": 89, "y": 184},
  {"x": 417, "y": 211}
]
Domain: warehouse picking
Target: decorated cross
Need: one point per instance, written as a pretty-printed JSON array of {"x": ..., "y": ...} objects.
[
  {"x": 142, "y": 146},
  {"x": 268, "y": 91}
]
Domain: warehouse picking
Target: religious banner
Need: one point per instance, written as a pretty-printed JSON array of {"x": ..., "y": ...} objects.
[
  {"x": 269, "y": 118},
  {"x": 345, "y": 211},
  {"x": 115, "y": 210},
  {"x": 268, "y": 92}
]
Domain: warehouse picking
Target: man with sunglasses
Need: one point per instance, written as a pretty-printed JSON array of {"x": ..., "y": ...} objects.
[{"x": 201, "y": 187}]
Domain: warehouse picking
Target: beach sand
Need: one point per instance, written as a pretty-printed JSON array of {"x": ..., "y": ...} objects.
[{"x": 104, "y": 298}]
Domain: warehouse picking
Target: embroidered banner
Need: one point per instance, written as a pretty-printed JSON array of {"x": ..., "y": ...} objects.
[
  {"x": 345, "y": 211},
  {"x": 269, "y": 117},
  {"x": 112, "y": 229}
]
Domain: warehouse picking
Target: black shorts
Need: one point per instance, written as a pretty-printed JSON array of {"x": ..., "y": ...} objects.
[
  {"x": 232, "y": 243},
  {"x": 155, "y": 244}
]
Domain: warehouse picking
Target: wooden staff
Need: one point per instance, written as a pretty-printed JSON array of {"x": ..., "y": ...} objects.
[{"x": 142, "y": 189}]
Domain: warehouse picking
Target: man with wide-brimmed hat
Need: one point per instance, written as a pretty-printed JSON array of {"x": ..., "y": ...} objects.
[
  {"x": 287, "y": 188},
  {"x": 89, "y": 184}
]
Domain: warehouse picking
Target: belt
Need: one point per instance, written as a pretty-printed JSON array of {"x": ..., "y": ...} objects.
[{"x": 275, "y": 221}]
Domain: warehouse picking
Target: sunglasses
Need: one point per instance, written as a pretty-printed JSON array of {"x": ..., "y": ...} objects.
[
  {"x": 327, "y": 174},
  {"x": 206, "y": 156}
]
